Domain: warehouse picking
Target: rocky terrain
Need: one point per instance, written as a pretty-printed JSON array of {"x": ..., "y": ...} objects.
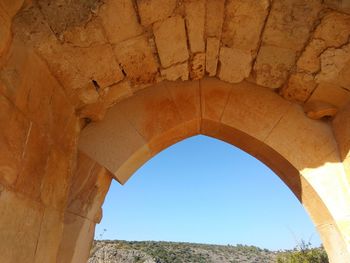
[{"x": 166, "y": 252}]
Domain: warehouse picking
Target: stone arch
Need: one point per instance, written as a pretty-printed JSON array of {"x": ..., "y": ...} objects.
[{"x": 245, "y": 115}]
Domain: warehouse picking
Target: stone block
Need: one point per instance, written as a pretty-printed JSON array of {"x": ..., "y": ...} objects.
[
  {"x": 215, "y": 11},
  {"x": 195, "y": 21},
  {"x": 235, "y": 64},
  {"x": 20, "y": 220},
  {"x": 119, "y": 20},
  {"x": 34, "y": 163},
  {"x": 78, "y": 234},
  {"x": 341, "y": 129},
  {"x": 85, "y": 36},
  {"x": 265, "y": 110},
  {"x": 290, "y": 23},
  {"x": 151, "y": 11},
  {"x": 77, "y": 68},
  {"x": 5, "y": 32},
  {"x": 312, "y": 136},
  {"x": 14, "y": 128},
  {"x": 88, "y": 189},
  {"x": 212, "y": 55},
  {"x": 273, "y": 65},
  {"x": 243, "y": 24},
  {"x": 175, "y": 72},
  {"x": 171, "y": 41},
  {"x": 50, "y": 236},
  {"x": 299, "y": 87},
  {"x": 214, "y": 96},
  {"x": 136, "y": 58},
  {"x": 56, "y": 182},
  {"x": 332, "y": 94}
]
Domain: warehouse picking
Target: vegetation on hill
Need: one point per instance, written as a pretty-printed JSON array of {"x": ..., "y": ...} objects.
[{"x": 172, "y": 252}]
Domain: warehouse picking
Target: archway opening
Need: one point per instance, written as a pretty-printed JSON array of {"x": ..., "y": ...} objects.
[{"x": 203, "y": 190}]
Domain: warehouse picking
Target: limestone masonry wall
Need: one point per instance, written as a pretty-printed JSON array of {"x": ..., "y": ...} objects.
[{"x": 63, "y": 64}]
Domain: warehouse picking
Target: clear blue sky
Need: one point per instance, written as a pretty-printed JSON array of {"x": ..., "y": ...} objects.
[{"x": 206, "y": 191}]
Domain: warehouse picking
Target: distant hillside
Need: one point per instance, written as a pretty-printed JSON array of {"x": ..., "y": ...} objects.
[{"x": 170, "y": 252}]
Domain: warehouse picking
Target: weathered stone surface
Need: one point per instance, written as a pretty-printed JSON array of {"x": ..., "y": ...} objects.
[
  {"x": 195, "y": 21},
  {"x": 179, "y": 71},
  {"x": 115, "y": 93},
  {"x": 335, "y": 66},
  {"x": 5, "y": 31},
  {"x": 299, "y": 87},
  {"x": 334, "y": 29},
  {"x": 243, "y": 23},
  {"x": 309, "y": 60},
  {"x": 55, "y": 184},
  {"x": 20, "y": 220},
  {"x": 235, "y": 64},
  {"x": 88, "y": 189},
  {"x": 91, "y": 34},
  {"x": 212, "y": 55},
  {"x": 137, "y": 60},
  {"x": 34, "y": 163},
  {"x": 151, "y": 11},
  {"x": 215, "y": 10},
  {"x": 77, "y": 68},
  {"x": 78, "y": 234},
  {"x": 119, "y": 20},
  {"x": 290, "y": 23},
  {"x": 50, "y": 236},
  {"x": 197, "y": 66},
  {"x": 171, "y": 30},
  {"x": 332, "y": 94},
  {"x": 62, "y": 15},
  {"x": 272, "y": 66},
  {"x": 14, "y": 131}
]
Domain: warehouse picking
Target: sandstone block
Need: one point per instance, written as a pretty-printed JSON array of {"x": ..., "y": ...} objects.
[
  {"x": 272, "y": 66},
  {"x": 171, "y": 41},
  {"x": 55, "y": 184},
  {"x": 316, "y": 110},
  {"x": 5, "y": 31},
  {"x": 78, "y": 234},
  {"x": 243, "y": 23},
  {"x": 214, "y": 18},
  {"x": 178, "y": 71},
  {"x": 76, "y": 68},
  {"x": 119, "y": 20},
  {"x": 85, "y": 36},
  {"x": 212, "y": 55},
  {"x": 116, "y": 93},
  {"x": 299, "y": 87},
  {"x": 89, "y": 175},
  {"x": 235, "y": 64},
  {"x": 214, "y": 95},
  {"x": 290, "y": 23},
  {"x": 335, "y": 66},
  {"x": 50, "y": 236},
  {"x": 332, "y": 94},
  {"x": 195, "y": 20},
  {"x": 34, "y": 163},
  {"x": 151, "y": 11},
  {"x": 14, "y": 131},
  {"x": 334, "y": 29},
  {"x": 341, "y": 128},
  {"x": 137, "y": 60},
  {"x": 341, "y": 5},
  {"x": 197, "y": 66},
  {"x": 309, "y": 61},
  {"x": 20, "y": 222}
]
